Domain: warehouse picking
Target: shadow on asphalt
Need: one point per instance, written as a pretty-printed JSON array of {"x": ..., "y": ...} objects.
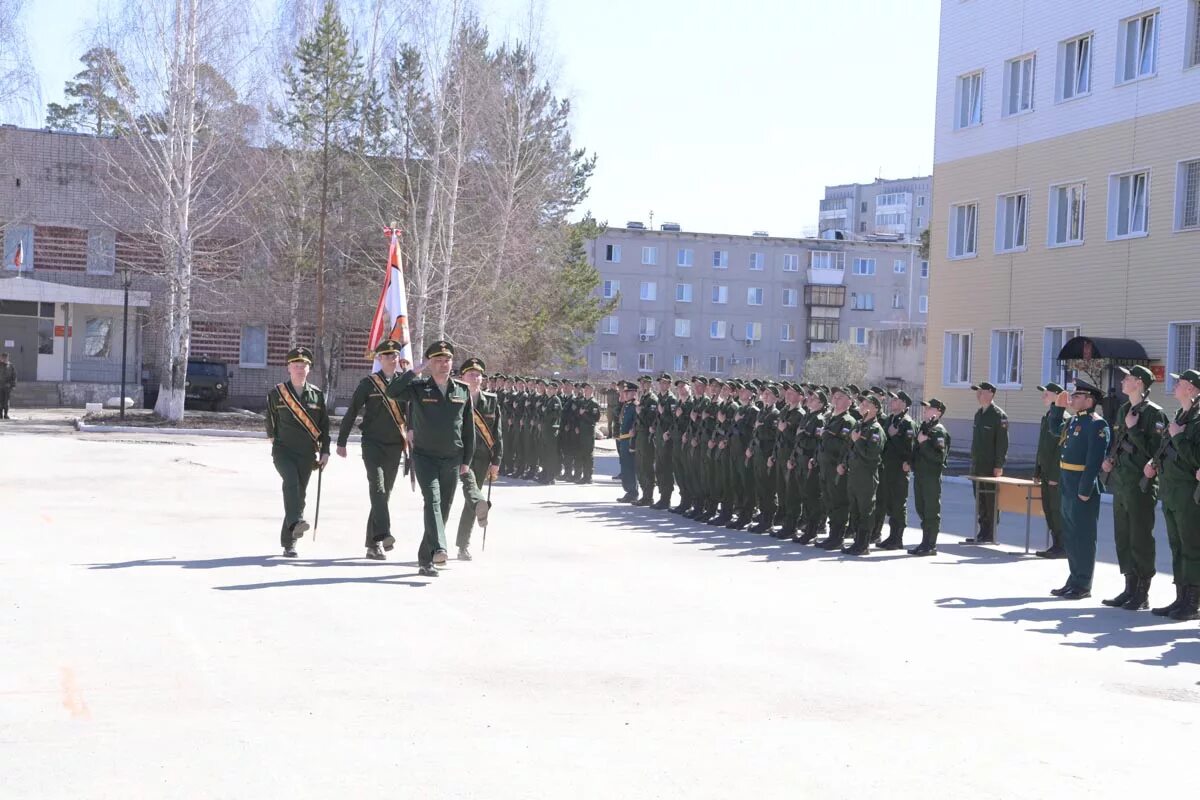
[
  {"x": 387, "y": 580},
  {"x": 246, "y": 561}
]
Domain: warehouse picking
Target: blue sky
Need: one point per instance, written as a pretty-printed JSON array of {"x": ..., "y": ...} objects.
[{"x": 723, "y": 116}]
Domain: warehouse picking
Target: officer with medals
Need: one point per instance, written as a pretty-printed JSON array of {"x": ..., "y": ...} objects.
[
  {"x": 443, "y": 444},
  {"x": 298, "y": 429},
  {"x": 489, "y": 452},
  {"x": 384, "y": 433},
  {"x": 1084, "y": 447}
]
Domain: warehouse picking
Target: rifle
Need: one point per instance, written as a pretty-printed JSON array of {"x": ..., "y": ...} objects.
[
  {"x": 1166, "y": 450},
  {"x": 1118, "y": 447},
  {"x": 845, "y": 462}
]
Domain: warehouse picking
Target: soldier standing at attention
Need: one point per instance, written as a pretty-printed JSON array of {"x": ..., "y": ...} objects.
[
  {"x": 807, "y": 446},
  {"x": 929, "y": 460},
  {"x": 664, "y": 445},
  {"x": 443, "y": 444},
  {"x": 862, "y": 474},
  {"x": 989, "y": 450},
  {"x": 489, "y": 451},
  {"x": 626, "y": 431},
  {"x": 676, "y": 433},
  {"x": 298, "y": 429},
  {"x": 892, "y": 502},
  {"x": 833, "y": 451},
  {"x": 1046, "y": 471},
  {"x": 8, "y": 381},
  {"x": 587, "y": 417},
  {"x": 552, "y": 414},
  {"x": 744, "y": 421},
  {"x": 1140, "y": 427},
  {"x": 1177, "y": 462},
  {"x": 644, "y": 441},
  {"x": 384, "y": 433},
  {"x": 1084, "y": 446}
]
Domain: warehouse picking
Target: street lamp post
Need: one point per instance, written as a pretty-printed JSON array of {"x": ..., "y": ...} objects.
[{"x": 125, "y": 279}]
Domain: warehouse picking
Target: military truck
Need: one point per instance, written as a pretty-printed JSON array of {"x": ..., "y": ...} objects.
[{"x": 207, "y": 383}]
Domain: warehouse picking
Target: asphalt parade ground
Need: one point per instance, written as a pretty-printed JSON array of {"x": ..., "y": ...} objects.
[{"x": 155, "y": 645}]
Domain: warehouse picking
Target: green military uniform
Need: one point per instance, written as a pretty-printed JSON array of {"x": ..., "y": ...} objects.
[
  {"x": 787, "y": 475},
  {"x": 664, "y": 445},
  {"x": 8, "y": 381},
  {"x": 930, "y": 453},
  {"x": 1177, "y": 461},
  {"x": 762, "y": 451},
  {"x": 507, "y": 412},
  {"x": 1047, "y": 473},
  {"x": 808, "y": 444},
  {"x": 989, "y": 450},
  {"x": 834, "y": 450},
  {"x": 488, "y": 419},
  {"x": 677, "y": 429},
  {"x": 566, "y": 432},
  {"x": 552, "y": 415},
  {"x": 892, "y": 501},
  {"x": 383, "y": 444},
  {"x": 862, "y": 477},
  {"x": 647, "y": 414},
  {"x": 298, "y": 427},
  {"x": 745, "y": 419},
  {"x": 443, "y": 444}
]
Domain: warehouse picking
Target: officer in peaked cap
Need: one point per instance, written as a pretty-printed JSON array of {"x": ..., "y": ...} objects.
[
  {"x": 489, "y": 451},
  {"x": 989, "y": 451}
]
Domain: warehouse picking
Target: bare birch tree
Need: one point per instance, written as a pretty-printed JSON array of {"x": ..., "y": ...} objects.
[{"x": 18, "y": 79}]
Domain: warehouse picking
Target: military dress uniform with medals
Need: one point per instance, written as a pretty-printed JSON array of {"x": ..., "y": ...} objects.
[
  {"x": 298, "y": 427},
  {"x": 489, "y": 452}
]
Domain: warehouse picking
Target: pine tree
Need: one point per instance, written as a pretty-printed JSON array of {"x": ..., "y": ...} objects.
[{"x": 95, "y": 91}]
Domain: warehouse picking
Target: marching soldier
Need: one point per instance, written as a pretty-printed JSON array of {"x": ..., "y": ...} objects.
[
  {"x": 1084, "y": 446},
  {"x": 1177, "y": 461},
  {"x": 989, "y": 450},
  {"x": 1140, "y": 427},
  {"x": 930, "y": 454},
  {"x": 298, "y": 429},
  {"x": 489, "y": 451},
  {"x": 834, "y": 449},
  {"x": 861, "y": 470},
  {"x": 626, "y": 433},
  {"x": 892, "y": 501},
  {"x": 384, "y": 432},
  {"x": 1046, "y": 470},
  {"x": 443, "y": 444},
  {"x": 587, "y": 417}
]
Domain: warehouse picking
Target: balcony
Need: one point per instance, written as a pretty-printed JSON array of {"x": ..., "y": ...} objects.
[
  {"x": 824, "y": 330},
  {"x": 825, "y": 295}
]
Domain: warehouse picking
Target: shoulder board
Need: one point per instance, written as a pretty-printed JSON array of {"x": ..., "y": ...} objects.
[
  {"x": 488, "y": 394},
  {"x": 460, "y": 383}
]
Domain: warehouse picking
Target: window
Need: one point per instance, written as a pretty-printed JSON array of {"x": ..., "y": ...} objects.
[
  {"x": 956, "y": 360},
  {"x": 1137, "y": 55},
  {"x": 716, "y": 329},
  {"x": 920, "y": 222},
  {"x": 1066, "y": 214},
  {"x": 611, "y": 288},
  {"x": 923, "y": 304},
  {"x": 683, "y": 363},
  {"x": 683, "y": 293},
  {"x": 1011, "y": 212},
  {"x": 862, "y": 301},
  {"x": 1127, "y": 215},
  {"x": 1183, "y": 348},
  {"x": 650, "y": 255},
  {"x": 791, "y": 298},
  {"x": 787, "y": 332},
  {"x": 720, "y": 259},
  {"x": 1074, "y": 68},
  {"x": 645, "y": 362},
  {"x": 101, "y": 252},
  {"x": 829, "y": 296},
  {"x": 892, "y": 199},
  {"x": 1192, "y": 43},
  {"x": 969, "y": 111},
  {"x": 883, "y": 220},
  {"x": 921, "y": 202},
  {"x": 254, "y": 346},
  {"x": 753, "y": 331},
  {"x": 1006, "y": 358},
  {"x": 683, "y": 328},
  {"x": 964, "y": 222},
  {"x": 754, "y": 296},
  {"x": 649, "y": 290},
  {"x": 897, "y": 301},
  {"x": 720, "y": 294},
  {"x": 924, "y": 269},
  {"x": 791, "y": 262},
  {"x": 612, "y": 253},
  {"x": 608, "y": 362},
  {"x": 787, "y": 367},
  {"x": 14, "y": 235},
  {"x": 864, "y": 266},
  {"x": 648, "y": 327},
  {"x": 610, "y": 325},
  {"x": 823, "y": 329},
  {"x": 825, "y": 259},
  {"x": 716, "y": 364},
  {"x": 1018, "y": 85},
  {"x": 899, "y": 266},
  {"x": 683, "y": 258},
  {"x": 1187, "y": 196},
  {"x": 756, "y": 261},
  {"x": 97, "y": 337},
  {"x": 45, "y": 337},
  {"x": 859, "y": 336},
  {"x": 1053, "y": 340}
]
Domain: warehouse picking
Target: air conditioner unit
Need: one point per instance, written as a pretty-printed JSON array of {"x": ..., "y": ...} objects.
[{"x": 645, "y": 337}]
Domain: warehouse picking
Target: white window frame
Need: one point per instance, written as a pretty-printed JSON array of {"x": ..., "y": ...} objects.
[
  {"x": 925, "y": 269},
  {"x": 1074, "y": 72},
  {"x": 923, "y": 304},
  {"x": 650, "y": 256},
  {"x": 645, "y": 362},
  {"x": 1019, "y": 84},
  {"x": 685, "y": 257},
  {"x": 613, "y": 322},
  {"x": 683, "y": 328},
  {"x": 1051, "y": 369},
  {"x": 836, "y": 259},
  {"x": 101, "y": 251},
  {"x": 791, "y": 298},
  {"x": 608, "y": 361},
  {"x": 1191, "y": 57},
  {"x": 1183, "y": 220},
  {"x": 716, "y": 365},
  {"x": 962, "y": 377},
  {"x": 612, "y": 253},
  {"x": 862, "y": 301},
  {"x": 1147, "y": 45},
  {"x": 610, "y": 289},
  {"x": 969, "y": 241},
  {"x": 683, "y": 293},
  {"x": 683, "y": 362},
  {"x": 648, "y": 288},
  {"x": 899, "y": 266},
  {"x": 720, "y": 259},
  {"x": 864, "y": 266},
  {"x": 755, "y": 295},
  {"x": 257, "y": 364},
  {"x": 859, "y": 336},
  {"x": 897, "y": 300},
  {"x": 720, "y": 294},
  {"x": 754, "y": 331},
  {"x": 968, "y": 100},
  {"x": 1004, "y": 363},
  {"x": 1052, "y": 224},
  {"x": 791, "y": 262},
  {"x": 1176, "y": 362},
  {"x": 787, "y": 332},
  {"x": 787, "y": 367},
  {"x": 1129, "y": 216},
  {"x": 758, "y": 262},
  {"x": 648, "y": 326},
  {"x": 1012, "y": 233},
  {"x": 718, "y": 329}
]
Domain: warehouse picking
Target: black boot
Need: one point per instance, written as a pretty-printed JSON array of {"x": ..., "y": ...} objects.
[
  {"x": 684, "y": 505},
  {"x": 1123, "y": 597},
  {"x": 834, "y": 540},
  {"x": 724, "y": 518},
  {"x": 927, "y": 547},
  {"x": 1168, "y": 610},
  {"x": 1140, "y": 597},
  {"x": 877, "y": 535},
  {"x": 742, "y": 520},
  {"x": 663, "y": 503},
  {"x": 861, "y": 544},
  {"x": 895, "y": 539},
  {"x": 1189, "y": 606},
  {"x": 810, "y": 533},
  {"x": 786, "y": 532}
]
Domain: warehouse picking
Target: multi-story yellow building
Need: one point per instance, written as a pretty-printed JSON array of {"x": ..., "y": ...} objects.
[{"x": 1066, "y": 197}]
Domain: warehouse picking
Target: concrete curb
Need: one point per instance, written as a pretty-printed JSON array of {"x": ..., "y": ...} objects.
[
  {"x": 1104, "y": 498},
  {"x": 83, "y": 427}
]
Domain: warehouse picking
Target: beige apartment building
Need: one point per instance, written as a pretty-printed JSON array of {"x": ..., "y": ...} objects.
[{"x": 1066, "y": 199}]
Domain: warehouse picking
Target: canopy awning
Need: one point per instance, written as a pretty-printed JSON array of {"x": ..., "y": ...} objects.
[
  {"x": 19, "y": 288},
  {"x": 1116, "y": 351}
]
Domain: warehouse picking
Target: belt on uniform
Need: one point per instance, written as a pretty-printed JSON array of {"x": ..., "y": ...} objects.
[{"x": 1071, "y": 467}]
